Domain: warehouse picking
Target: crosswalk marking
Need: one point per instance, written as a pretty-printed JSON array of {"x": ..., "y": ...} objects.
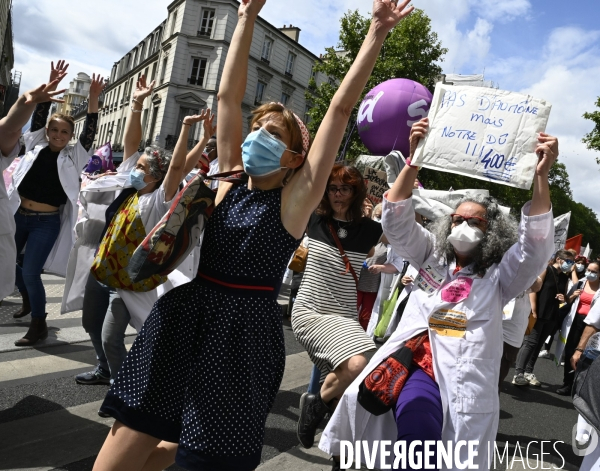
[{"x": 57, "y": 436}]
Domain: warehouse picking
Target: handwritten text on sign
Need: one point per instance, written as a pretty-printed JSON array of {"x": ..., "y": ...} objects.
[
  {"x": 484, "y": 133},
  {"x": 376, "y": 181}
]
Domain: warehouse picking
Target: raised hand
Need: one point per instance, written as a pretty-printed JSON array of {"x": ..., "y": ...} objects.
[
  {"x": 210, "y": 128},
  {"x": 418, "y": 132},
  {"x": 195, "y": 118},
  {"x": 250, "y": 8},
  {"x": 97, "y": 85},
  {"x": 547, "y": 151},
  {"x": 44, "y": 93},
  {"x": 387, "y": 13},
  {"x": 142, "y": 90},
  {"x": 59, "y": 72}
]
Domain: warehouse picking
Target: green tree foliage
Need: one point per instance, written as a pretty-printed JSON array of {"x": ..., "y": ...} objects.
[
  {"x": 592, "y": 139},
  {"x": 411, "y": 51}
]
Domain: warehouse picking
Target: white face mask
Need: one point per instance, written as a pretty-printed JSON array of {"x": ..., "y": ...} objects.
[
  {"x": 465, "y": 238},
  {"x": 579, "y": 266}
]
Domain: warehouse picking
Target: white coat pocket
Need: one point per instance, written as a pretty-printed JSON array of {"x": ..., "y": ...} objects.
[{"x": 476, "y": 385}]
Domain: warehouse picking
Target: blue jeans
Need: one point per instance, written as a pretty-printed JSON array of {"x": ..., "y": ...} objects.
[
  {"x": 105, "y": 318},
  {"x": 39, "y": 233}
]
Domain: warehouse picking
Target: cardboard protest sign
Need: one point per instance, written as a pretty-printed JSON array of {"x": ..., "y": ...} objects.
[
  {"x": 483, "y": 133},
  {"x": 561, "y": 227},
  {"x": 377, "y": 185}
]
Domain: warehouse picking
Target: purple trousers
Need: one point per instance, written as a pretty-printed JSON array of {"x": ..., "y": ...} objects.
[{"x": 419, "y": 412}]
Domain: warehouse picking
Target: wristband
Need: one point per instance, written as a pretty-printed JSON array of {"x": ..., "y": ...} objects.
[
  {"x": 186, "y": 124},
  {"x": 579, "y": 349},
  {"x": 138, "y": 102},
  {"x": 409, "y": 163},
  {"x": 133, "y": 110}
]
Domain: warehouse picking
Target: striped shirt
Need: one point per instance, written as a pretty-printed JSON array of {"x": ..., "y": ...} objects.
[{"x": 325, "y": 289}]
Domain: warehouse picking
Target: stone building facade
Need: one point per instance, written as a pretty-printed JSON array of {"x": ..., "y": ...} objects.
[{"x": 185, "y": 54}]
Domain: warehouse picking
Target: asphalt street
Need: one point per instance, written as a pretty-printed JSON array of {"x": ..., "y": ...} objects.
[{"x": 48, "y": 422}]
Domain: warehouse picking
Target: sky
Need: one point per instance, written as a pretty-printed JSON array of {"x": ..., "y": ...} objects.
[{"x": 547, "y": 48}]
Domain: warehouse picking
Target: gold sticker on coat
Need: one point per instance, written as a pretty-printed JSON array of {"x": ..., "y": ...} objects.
[{"x": 449, "y": 323}]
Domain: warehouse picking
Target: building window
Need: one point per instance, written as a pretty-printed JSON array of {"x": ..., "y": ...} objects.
[
  {"x": 260, "y": 91},
  {"x": 285, "y": 98},
  {"x": 153, "y": 76},
  {"x": 173, "y": 22},
  {"x": 207, "y": 19},
  {"x": 331, "y": 81},
  {"x": 289, "y": 67},
  {"x": 313, "y": 73},
  {"x": 198, "y": 71},
  {"x": 151, "y": 137},
  {"x": 163, "y": 73},
  {"x": 266, "y": 50}
]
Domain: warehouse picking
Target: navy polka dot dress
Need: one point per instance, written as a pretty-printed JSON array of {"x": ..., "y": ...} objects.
[{"x": 206, "y": 367}]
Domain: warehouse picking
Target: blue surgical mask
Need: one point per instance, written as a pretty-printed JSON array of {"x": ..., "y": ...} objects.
[
  {"x": 261, "y": 153},
  {"x": 136, "y": 178},
  {"x": 566, "y": 267},
  {"x": 591, "y": 276}
]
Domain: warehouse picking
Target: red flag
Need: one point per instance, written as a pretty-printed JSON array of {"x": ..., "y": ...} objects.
[{"x": 574, "y": 243}]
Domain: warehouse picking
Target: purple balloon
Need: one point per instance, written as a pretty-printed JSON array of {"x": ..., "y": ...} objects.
[{"x": 388, "y": 112}]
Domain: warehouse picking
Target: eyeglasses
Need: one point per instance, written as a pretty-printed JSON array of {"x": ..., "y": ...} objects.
[
  {"x": 569, "y": 262},
  {"x": 472, "y": 221},
  {"x": 344, "y": 190}
]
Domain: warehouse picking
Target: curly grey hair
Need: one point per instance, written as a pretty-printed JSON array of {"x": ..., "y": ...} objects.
[
  {"x": 501, "y": 234},
  {"x": 158, "y": 160}
]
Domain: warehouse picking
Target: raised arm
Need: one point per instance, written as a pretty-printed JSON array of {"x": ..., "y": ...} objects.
[
  {"x": 196, "y": 153},
  {"x": 40, "y": 115},
  {"x": 233, "y": 87},
  {"x": 308, "y": 185},
  {"x": 133, "y": 129},
  {"x": 176, "y": 170},
  {"x": 547, "y": 151},
  {"x": 12, "y": 124},
  {"x": 405, "y": 183},
  {"x": 91, "y": 121}
]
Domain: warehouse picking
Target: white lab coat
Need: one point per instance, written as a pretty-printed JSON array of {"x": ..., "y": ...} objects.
[
  {"x": 8, "y": 248},
  {"x": 515, "y": 317},
  {"x": 387, "y": 286},
  {"x": 568, "y": 322},
  {"x": 71, "y": 161},
  {"x": 95, "y": 199},
  {"x": 466, "y": 368}
]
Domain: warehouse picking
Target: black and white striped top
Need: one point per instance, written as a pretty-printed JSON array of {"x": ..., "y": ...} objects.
[{"x": 325, "y": 289}]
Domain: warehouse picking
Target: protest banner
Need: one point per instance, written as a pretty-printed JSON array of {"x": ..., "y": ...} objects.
[
  {"x": 561, "y": 227},
  {"x": 376, "y": 181},
  {"x": 483, "y": 133}
]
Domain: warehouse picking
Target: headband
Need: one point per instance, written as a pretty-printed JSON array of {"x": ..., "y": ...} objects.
[
  {"x": 156, "y": 154},
  {"x": 303, "y": 130}
]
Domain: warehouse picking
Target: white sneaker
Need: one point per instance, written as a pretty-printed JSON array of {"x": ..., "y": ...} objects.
[
  {"x": 520, "y": 380},
  {"x": 533, "y": 381},
  {"x": 544, "y": 354}
]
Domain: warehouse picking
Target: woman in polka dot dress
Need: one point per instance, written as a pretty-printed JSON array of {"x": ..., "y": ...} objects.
[{"x": 206, "y": 367}]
